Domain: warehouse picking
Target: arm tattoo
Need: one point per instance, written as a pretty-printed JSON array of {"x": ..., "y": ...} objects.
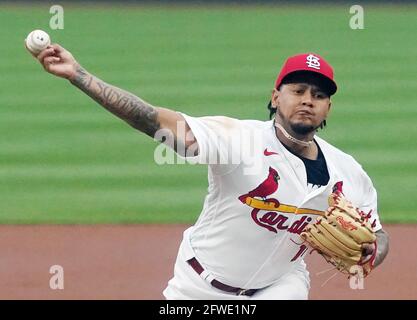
[
  {"x": 382, "y": 246},
  {"x": 133, "y": 110}
]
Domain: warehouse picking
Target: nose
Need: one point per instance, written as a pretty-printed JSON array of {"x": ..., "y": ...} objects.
[{"x": 307, "y": 98}]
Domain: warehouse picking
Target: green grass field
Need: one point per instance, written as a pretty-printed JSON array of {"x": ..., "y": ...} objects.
[{"x": 64, "y": 159}]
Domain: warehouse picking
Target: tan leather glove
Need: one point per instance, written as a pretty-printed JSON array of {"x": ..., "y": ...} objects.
[{"x": 340, "y": 234}]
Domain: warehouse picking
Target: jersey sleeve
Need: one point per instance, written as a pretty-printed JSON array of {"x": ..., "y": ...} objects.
[
  {"x": 218, "y": 141},
  {"x": 370, "y": 202}
]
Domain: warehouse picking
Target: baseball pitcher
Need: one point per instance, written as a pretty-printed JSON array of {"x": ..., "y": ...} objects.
[{"x": 276, "y": 190}]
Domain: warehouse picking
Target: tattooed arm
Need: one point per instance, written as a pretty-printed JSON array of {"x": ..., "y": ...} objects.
[
  {"x": 133, "y": 110},
  {"x": 128, "y": 107},
  {"x": 382, "y": 244},
  {"x": 382, "y": 240}
]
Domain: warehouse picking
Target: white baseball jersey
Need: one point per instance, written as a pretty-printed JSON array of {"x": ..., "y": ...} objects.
[{"x": 258, "y": 201}]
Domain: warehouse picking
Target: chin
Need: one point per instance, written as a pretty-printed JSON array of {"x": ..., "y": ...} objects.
[{"x": 302, "y": 128}]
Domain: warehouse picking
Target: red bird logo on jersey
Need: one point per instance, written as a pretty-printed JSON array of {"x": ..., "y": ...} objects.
[
  {"x": 338, "y": 187},
  {"x": 266, "y": 188}
]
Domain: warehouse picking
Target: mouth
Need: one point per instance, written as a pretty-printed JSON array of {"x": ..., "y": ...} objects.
[{"x": 305, "y": 113}]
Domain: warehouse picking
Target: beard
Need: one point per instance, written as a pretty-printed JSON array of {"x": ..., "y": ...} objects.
[
  {"x": 302, "y": 129},
  {"x": 299, "y": 128}
]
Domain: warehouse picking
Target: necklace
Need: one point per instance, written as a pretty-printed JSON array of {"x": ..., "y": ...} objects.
[{"x": 291, "y": 138}]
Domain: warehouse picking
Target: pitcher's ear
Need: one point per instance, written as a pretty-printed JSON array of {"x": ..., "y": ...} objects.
[{"x": 275, "y": 98}]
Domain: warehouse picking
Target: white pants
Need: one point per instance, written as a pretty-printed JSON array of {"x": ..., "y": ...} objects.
[{"x": 188, "y": 285}]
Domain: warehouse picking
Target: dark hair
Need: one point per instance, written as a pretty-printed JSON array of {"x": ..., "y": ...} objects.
[{"x": 272, "y": 111}]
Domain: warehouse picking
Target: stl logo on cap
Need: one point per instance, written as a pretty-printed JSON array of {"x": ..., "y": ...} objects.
[
  {"x": 308, "y": 62},
  {"x": 313, "y": 62}
]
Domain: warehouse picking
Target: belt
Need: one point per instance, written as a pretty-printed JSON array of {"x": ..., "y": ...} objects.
[{"x": 217, "y": 284}]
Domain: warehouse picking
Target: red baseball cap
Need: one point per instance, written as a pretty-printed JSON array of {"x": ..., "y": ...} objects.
[{"x": 312, "y": 63}]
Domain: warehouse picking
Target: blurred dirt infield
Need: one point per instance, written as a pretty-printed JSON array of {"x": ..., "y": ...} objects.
[{"x": 136, "y": 261}]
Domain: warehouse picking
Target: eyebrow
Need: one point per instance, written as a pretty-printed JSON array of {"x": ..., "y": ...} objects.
[{"x": 314, "y": 87}]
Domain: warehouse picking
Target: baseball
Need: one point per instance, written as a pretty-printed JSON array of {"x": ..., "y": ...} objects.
[{"x": 37, "y": 40}]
